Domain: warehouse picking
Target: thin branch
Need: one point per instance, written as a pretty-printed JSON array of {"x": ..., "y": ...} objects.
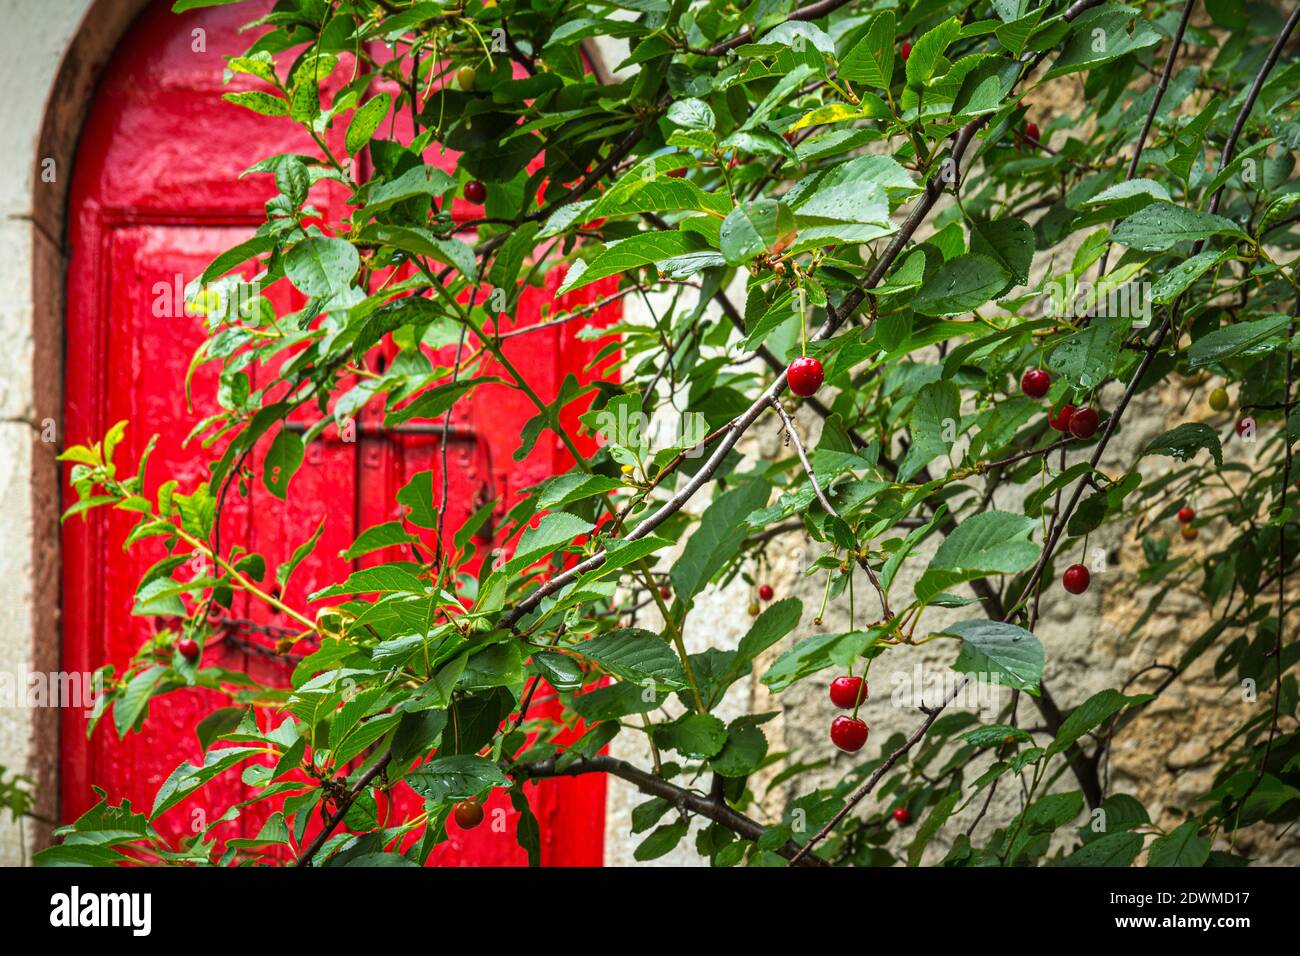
[
  {"x": 342, "y": 810},
  {"x": 830, "y": 510},
  {"x": 803, "y": 457},
  {"x": 685, "y": 800},
  {"x": 869, "y": 784},
  {"x": 1161, "y": 87}
]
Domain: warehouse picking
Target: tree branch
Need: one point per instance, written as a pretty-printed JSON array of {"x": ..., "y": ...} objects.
[{"x": 684, "y": 800}]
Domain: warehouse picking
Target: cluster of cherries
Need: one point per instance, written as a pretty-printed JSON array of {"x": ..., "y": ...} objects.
[
  {"x": 1079, "y": 422},
  {"x": 850, "y": 733}
]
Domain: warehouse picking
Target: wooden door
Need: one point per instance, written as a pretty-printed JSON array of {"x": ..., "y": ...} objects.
[{"x": 156, "y": 195}]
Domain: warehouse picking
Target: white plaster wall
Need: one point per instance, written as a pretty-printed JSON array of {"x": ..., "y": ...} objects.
[{"x": 33, "y": 39}]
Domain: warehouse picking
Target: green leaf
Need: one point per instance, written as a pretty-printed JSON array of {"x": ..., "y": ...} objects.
[
  {"x": 282, "y": 462},
  {"x": 1180, "y": 847},
  {"x": 528, "y": 832},
  {"x": 636, "y": 655},
  {"x": 661, "y": 842},
  {"x": 561, "y": 671},
  {"x": 992, "y": 542},
  {"x": 1009, "y": 242},
  {"x": 304, "y": 103},
  {"x": 189, "y": 777},
  {"x": 694, "y": 736},
  {"x": 816, "y": 653},
  {"x": 993, "y": 647},
  {"x": 1114, "y": 849},
  {"x": 129, "y": 709},
  {"x": 1256, "y": 337},
  {"x": 1102, "y": 36},
  {"x": 366, "y": 120},
  {"x": 1086, "y": 358},
  {"x": 384, "y": 579},
  {"x": 299, "y": 555},
  {"x": 927, "y": 52},
  {"x": 995, "y": 734},
  {"x": 1183, "y": 441},
  {"x": 235, "y": 256},
  {"x": 1091, "y": 714},
  {"x": 961, "y": 285},
  {"x": 1161, "y": 225},
  {"x": 184, "y": 6},
  {"x": 628, "y": 255},
  {"x": 1177, "y": 280},
  {"x": 575, "y": 486},
  {"x": 856, "y": 202},
  {"x": 261, "y": 103},
  {"x": 554, "y": 532},
  {"x": 220, "y": 721},
  {"x": 776, "y": 621},
  {"x": 934, "y": 423},
  {"x": 386, "y": 535},
  {"x": 419, "y": 181},
  {"x": 621, "y": 554},
  {"x": 320, "y": 267},
  {"x": 716, "y": 541},
  {"x": 691, "y": 113},
  {"x": 456, "y": 777},
  {"x": 617, "y": 700},
  {"x": 417, "y": 495},
  {"x": 433, "y": 402},
  {"x": 744, "y": 751},
  {"x": 871, "y": 61},
  {"x": 762, "y": 225},
  {"x": 934, "y": 821}
]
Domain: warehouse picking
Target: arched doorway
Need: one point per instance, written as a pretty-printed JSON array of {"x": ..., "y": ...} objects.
[{"x": 156, "y": 194}]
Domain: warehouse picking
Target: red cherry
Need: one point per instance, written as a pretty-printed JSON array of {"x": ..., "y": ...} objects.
[
  {"x": 1246, "y": 424},
  {"x": 902, "y": 816},
  {"x": 1035, "y": 382},
  {"x": 848, "y": 692},
  {"x": 1083, "y": 423},
  {"x": 468, "y": 813},
  {"x": 665, "y": 591},
  {"x": 1186, "y": 515},
  {"x": 475, "y": 191},
  {"x": 765, "y": 592},
  {"x": 1076, "y": 579},
  {"x": 907, "y": 50},
  {"x": 848, "y": 733},
  {"x": 805, "y": 376},
  {"x": 1031, "y": 134},
  {"x": 189, "y": 649},
  {"x": 1061, "y": 420}
]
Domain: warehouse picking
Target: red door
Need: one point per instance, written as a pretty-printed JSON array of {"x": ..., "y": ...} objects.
[{"x": 156, "y": 195}]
